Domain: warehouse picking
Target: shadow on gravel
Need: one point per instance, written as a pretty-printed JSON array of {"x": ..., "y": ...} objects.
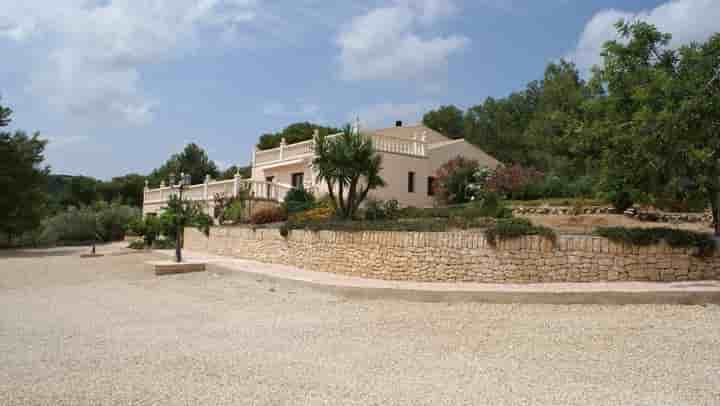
[{"x": 36, "y": 253}]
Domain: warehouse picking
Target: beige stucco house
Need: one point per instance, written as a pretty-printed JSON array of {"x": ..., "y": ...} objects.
[{"x": 410, "y": 157}]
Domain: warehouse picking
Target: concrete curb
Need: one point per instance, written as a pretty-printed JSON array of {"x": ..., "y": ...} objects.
[
  {"x": 611, "y": 293},
  {"x": 499, "y": 296}
]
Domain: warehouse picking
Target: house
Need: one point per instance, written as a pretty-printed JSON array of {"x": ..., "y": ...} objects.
[{"x": 410, "y": 157}]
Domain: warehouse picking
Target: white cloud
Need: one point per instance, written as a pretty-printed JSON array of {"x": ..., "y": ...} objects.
[
  {"x": 96, "y": 49},
  {"x": 686, "y": 20},
  {"x": 386, "y": 42},
  {"x": 385, "y": 114}
]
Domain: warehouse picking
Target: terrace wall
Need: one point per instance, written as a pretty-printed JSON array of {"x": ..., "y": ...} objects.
[{"x": 457, "y": 256}]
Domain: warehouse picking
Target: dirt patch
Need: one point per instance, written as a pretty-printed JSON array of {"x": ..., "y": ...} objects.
[{"x": 585, "y": 224}]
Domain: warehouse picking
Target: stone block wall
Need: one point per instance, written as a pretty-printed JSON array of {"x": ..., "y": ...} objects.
[{"x": 463, "y": 256}]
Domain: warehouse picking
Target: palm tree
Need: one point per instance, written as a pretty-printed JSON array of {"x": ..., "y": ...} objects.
[{"x": 350, "y": 162}]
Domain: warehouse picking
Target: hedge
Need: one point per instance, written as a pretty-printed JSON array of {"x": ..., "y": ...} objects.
[
  {"x": 703, "y": 242},
  {"x": 506, "y": 229}
]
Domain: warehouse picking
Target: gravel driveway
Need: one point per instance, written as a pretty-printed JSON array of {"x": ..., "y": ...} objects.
[{"x": 106, "y": 331}]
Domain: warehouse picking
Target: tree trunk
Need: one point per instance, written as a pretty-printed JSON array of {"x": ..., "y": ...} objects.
[
  {"x": 352, "y": 205},
  {"x": 341, "y": 200},
  {"x": 331, "y": 192},
  {"x": 715, "y": 206}
]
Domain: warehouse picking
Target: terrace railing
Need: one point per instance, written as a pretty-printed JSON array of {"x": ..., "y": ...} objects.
[
  {"x": 205, "y": 192},
  {"x": 383, "y": 143}
]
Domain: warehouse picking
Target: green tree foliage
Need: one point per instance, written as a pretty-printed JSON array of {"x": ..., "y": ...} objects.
[
  {"x": 22, "y": 180},
  {"x": 293, "y": 133},
  {"x": 192, "y": 160},
  {"x": 350, "y": 167},
  {"x": 127, "y": 189},
  {"x": 181, "y": 213},
  {"x": 660, "y": 115},
  {"x": 102, "y": 221},
  {"x": 5, "y": 116},
  {"x": 297, "y": 200},
  {"x": 447, "y": 120},
  {"x": 79, "y": 191},
  {"x": 149, "y": 228},
  {"x": 65, "y": 191},
  {"x": 229, "y": 173}
]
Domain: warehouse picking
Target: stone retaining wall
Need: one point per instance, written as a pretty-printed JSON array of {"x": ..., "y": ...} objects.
[{"x": 457, "y": 256}]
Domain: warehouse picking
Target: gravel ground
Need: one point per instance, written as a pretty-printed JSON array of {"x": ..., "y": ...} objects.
[{"x": 107, "y": 331}]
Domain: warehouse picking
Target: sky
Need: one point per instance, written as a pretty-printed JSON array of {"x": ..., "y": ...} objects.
[{"x": 117, "y": 86}]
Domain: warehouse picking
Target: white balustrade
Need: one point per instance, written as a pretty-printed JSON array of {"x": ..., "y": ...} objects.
[
  {"x": 383, "y": 143},
  {"x": 206, "y": 192}
]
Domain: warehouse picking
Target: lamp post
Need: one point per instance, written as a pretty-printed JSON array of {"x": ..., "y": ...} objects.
[{"x": 182, "y": 183}]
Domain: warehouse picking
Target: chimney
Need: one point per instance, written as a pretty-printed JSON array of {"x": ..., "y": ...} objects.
[{"x": 398, "y": 123}]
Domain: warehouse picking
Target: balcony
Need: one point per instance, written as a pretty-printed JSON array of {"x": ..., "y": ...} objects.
[
  {"x": 382, "y": 143},
  {"x": 206, "y": 192}
]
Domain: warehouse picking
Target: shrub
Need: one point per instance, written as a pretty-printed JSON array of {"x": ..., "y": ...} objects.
[
  {"x": 149, "y": 228},
  {"x": 114, "y": 219},
  {"x": 269, "y": 215},
  {"x": 620, "y": 199},
  {"x": 510, "y": 180},
  {"x": 71, "y": 226},
  {"x": 234, "y": 213},
  {"x": 432, "y": 212},
  {"x": 703, "y": 242},
  {"x": 491, "y": 206},
  {"x": 137, "y": 245},
  {"x": 298, "y": 199},
  {"x": 506, "y": 229},
  {"x": 553, "y": 186},
  {"x": 382, "y": 210},
  {"x": 231, "y": 209},
  {"x": 326, "y": 201},
  {"x": 105, "y": 222},
  {"x": 317, "y": 214},
  {"x": 453, "y": 178}
]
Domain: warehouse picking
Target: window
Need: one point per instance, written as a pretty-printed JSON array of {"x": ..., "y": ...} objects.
[
  {"x": 431, "y": 186},
  {"x": 411, "y": 182},
  {"x": 297, "y": 180},
  {"x": 268, "y": 187}
]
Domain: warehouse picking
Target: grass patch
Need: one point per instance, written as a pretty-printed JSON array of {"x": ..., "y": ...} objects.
[{"x": 703, "y": 242}]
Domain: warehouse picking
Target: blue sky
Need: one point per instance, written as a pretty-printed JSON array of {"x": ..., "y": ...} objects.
[{"x": 119, "y": 85}]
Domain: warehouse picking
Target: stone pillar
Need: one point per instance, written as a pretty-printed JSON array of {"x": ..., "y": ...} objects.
[
  {"x": 236, "y": 184},
  {"x": 205, "y": 187},
  {"x": 283, "y": 144}
]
